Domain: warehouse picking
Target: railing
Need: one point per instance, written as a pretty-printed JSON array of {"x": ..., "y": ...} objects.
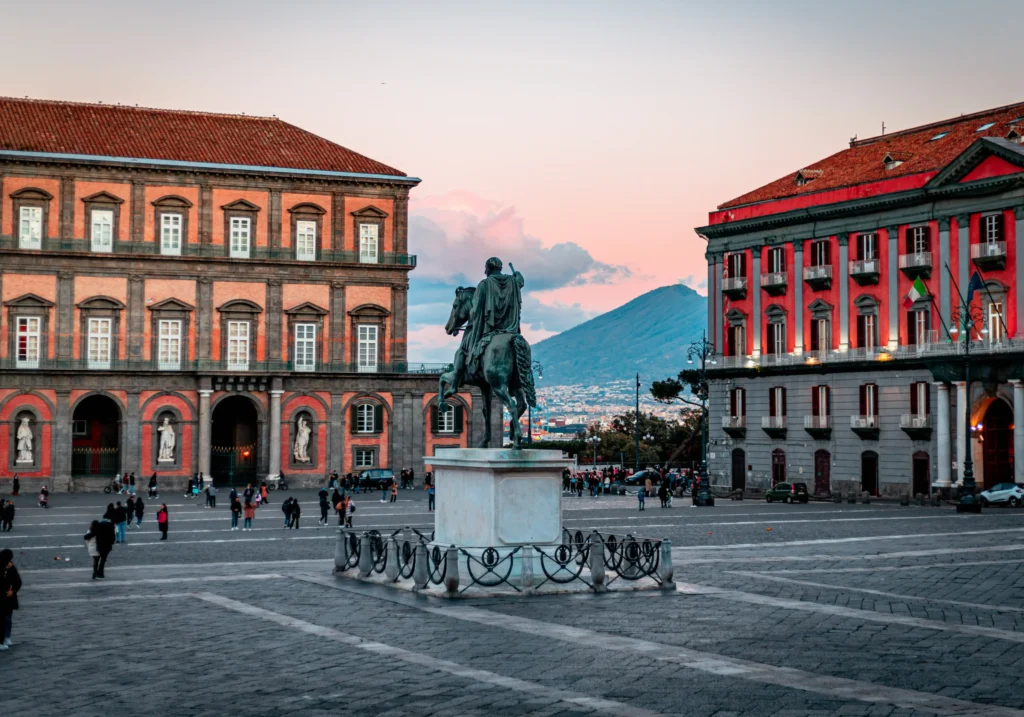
[
  {"x": 863, "y": 421},
  {"x": 817, "y": 273},
  {"x": 988, "y": 250},
  {"x": 818, "y": 423},
  {"x": 773, "y": 422},
  {"x": 734, "y": 421},
  {"x": 737, "y": 283},
  {"x": 914, "y": 420},
  {"x": 918, "y": 260},
  {"x": 773, "y": 278},
  {"x": 206, "y": 365},
  {"x": 863, "y": 266}
]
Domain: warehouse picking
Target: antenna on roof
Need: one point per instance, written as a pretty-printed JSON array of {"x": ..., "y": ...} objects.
[{"x": 883, "y": 128}]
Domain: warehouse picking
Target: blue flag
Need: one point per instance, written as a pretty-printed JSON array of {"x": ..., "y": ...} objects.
[{"x": 975, "y": 284}]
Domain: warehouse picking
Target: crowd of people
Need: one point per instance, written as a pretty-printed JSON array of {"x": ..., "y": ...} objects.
[{"x": 665, "y": 483}]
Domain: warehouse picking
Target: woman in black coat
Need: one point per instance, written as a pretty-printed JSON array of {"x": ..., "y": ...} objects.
[{"x": 10, "y": 584}]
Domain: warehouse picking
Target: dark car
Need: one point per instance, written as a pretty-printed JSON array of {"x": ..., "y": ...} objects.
[
  {"x": 641, "y": 477},
  {"x": 788, "y": 493},
  {"x": 376, "y": 478}
]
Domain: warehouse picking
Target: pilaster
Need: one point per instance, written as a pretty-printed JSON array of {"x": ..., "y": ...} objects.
[
  {"x": 274, "y": 467},
  {"x": 205, "y": 429},
  {"x": 401, "y": 226},
  {"x": 204, "y": 318},
  {"x": 131, "y": 436},
  {"x": 894, "y": 278},
  {"x": 274, "y": 219},
  {"x": 712, "y": 321},
  {"x": 797, "y": 283},
  {"x": 963, "y": 228},
  {"x": 273, "y": 323},
  {"x": 337, "y": 439},
  {"x": 61, "y": 445},
  {"x": 136, "y": 316},
  {"x": 67, "y": 208},
  {"x": 206, "y": 214},
  {"x": 399, "y": 323},
  {"x": 137, "y": 211},
  {"x": 338, "y": 221},
  {"x": 944, "y": 303},
  {"x": 338, "y": 322},
  {"x": 961, "y": 433},
  {"x": 719, "y": 344},
  {"x": 65, "y": 316},
  {"x": 944, "y": 458},
  {"x": 844, "y": 291},
  {"x": 1018, "y": 239},
  {"x": 755, "y": 282},
  {"x": 418, "y": 433}
]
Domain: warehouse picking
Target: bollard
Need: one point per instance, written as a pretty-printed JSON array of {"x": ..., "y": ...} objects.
[
  {"x": 919, "y": 498},
  {"x": 865, "y": 497},
  {"x": 420, "y": 570},
  {"x": 905, "y": 498},
  {"x": 365, "y": 558},
  {"x": 597, "y": 563},
  {"x": 340, "y": 552},
  {"x": 629, "y": 567},
  {"x": 451, "y": 578},
  {"x": 852, "y": 498},
  {"x": 526, "y": 568},
  {"x": 391, "y": 566},
  {"x": 667, "y": 569},
  {"x": 837, "y": 497}
]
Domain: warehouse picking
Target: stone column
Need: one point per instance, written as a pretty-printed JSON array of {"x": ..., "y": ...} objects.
[
  {"x": 711, "y": 297},
  {"x": 274, "y": 470},
  {"x": 961, "y": 437},
  {"x": 963, "y": 228},
  {"x": 132, "y": 438},
  {"x": 1020, "y": 277},
  {"x": 204, "y": 319},
  {"x": 755, "y": 286},
  {"x": 205, "y": 431},
  {"x": 61, "y": 445},
  {"x": 399, "y": 325},
  {"x": 337, "y": 447},
  {"x": 337, "y": 323},
  {"x": 894, "y": 279},
  {"x": 940, "y": 267},
  {"x": 1018, "y": 423},
  {"x": 136, "y": 317},
  {"x": 717, "y": 336},
  {"x": 944, "y": 457},
  {"x": 418, "y": 433},
  {"x": 66, "y": 226},
  {"x": 798, "y": 297},
  {"x": 274, "y": 299},
  {"x": 844, "y": 291},
  {"x": 65, "y": 316}
]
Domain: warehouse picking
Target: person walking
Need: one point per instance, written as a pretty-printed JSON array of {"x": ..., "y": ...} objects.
[
  {"x": 15, "y": 485},
  {"x": 430, "y": 497},
  {"x": 120, "y": 520},
  {"x": 91, "y": 540},
  {"x": 384, "y": 491},
  {"x": 394, "y": 492},
  {"x": 647, "y": 486},
  {"x": 154, "y": 492},
  {"x": 130, "y": 510},
  {"x": 264, "y": 493},
  {"x": 249, "y": 511},
  {"x": 286, "y": 508},
  {"x": 140, "y": 508},
  {"x": 236, "y": 511},
  {"x": 162, "y": 520},
  {"x": 340, "y": 507},
  {"x": 6, "y": 515},
  {"x": 325, "y": 507},
  {"x": 663, "y": 493},
  {"x": 640, "y": 495},
  {"x": 296, "y": 512},
  {"x": 211, "y": 495},
  {"x": 131, "y": 483},
  {"x": 10, "y": 584},
  {"x": 351, "y": 511},
  {"x": 124, "y": 484},
  {"x": 104, "y": 533},
  {"x": 44, "y": 497}
]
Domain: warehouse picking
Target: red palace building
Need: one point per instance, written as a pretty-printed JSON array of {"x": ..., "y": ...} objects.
[{"x": 834, "y": 297}]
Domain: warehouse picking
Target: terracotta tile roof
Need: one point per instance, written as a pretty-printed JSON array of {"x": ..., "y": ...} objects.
[
  {"x": 176, "y": 135},
  {"x": 864, "y": 161}
]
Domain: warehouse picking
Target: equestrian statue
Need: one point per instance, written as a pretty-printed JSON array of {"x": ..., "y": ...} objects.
[{"x": 493, "y": 355}]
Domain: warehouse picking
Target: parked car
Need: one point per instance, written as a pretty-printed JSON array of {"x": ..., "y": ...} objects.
[
  {"x": 788, "y": 493},
  {"x": 376, "y": 478},
  {"x": 1009, "y": 493},
  {"x": 641, "y": 477}
]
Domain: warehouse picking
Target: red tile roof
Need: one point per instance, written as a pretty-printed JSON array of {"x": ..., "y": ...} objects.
[
  {"x": 176, "y": 135},
  {"x": 864, "y": 161}
]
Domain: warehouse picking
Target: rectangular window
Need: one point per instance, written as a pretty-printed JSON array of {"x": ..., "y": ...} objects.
[
  {"x": 921, "y": 327},
  {"x": 737, "y": 341},
  {"x": 102, "y": 237},
  {"x": 776, "y": 260},
  {"x": 819, "y": 402},
  {"x": 238, "y": 345},
  {"x": 869, "y": 400},
  {"x": 28, "y": 336},
  {"x": 367, "y": 349},
  {"x": 364, "y": 418},
  {"x": 737, "y": 402},
  {"x": 777, "y": 402},
  {"x": 820, "y": 253},
  {"x": 777, "y": 338},
  {"x": 446, "y": 419},
  {"x": 869, "y": 331},
  {"x": 169, "y": 345},
  {"x": 920, "y": 238},
  {"x": 240, "y": 233},
  {"x": 995, "y": 322},
  {"x": 305, "y": 347},
  {"x": 919, "y": 399},
  {"x": 368, "y": 243},
  {"x": 30, "y": 228},
  {"x": 305, "y": 241},
  {"x": 364, "y": 458},
  {"x": 170, "y": 234},
  {"x": 867, "y": 247},
  {"x": 990, "y": 228},
  {"x": 99, "y": 343}
]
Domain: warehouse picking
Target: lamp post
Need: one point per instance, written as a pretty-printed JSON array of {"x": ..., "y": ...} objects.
[
  {"x": 648, "y": 439},
  {"x": 593, "y": 441},
  {"x": 636, "y": 425},
  {"x": 968, "y": 319},
  {"x": 702, "y": 353},
  {"x": 539, "y": 368}
]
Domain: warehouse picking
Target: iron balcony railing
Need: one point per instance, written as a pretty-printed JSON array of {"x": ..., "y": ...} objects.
[
  {"x": 988, "y": 250},
  {"x": 863, "y": 421},
  {"x": 736, "y": 283},
  {"x": 860, "y": 267},
  {"x": 734, "y": 421},
  {"x": 816, "y": 273},
  {"x": 209, "y": 365},
  {"x": 773, "y": 422},
  {"x": 819, "y": 423},
  {"x": 773, "y": 278},
  {"x": 914, "y": 420},
  {"x": 918, "y": 260}
]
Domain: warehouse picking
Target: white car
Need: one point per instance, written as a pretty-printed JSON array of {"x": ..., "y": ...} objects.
[{"x": 1009, "y": 493}]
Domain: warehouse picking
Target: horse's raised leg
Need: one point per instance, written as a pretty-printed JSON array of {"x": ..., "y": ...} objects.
[
  {"x": 513, "y": 410},
  {"x": 486, "y": 408}
]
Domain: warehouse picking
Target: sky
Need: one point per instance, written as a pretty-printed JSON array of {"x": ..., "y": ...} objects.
[{"x": 580, "y": 141}]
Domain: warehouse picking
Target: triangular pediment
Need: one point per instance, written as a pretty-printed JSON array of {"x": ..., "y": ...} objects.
[
  {"x": 370, "y": 211},
  {"x": 960, "y": 169},
  {"x": 103, "y": 197},
  {"x": 171, "y": 304},
  {"x": 240, "y": 205},
  {"x": 306, "y": 307},
  {"x": 29, "y": 301},
  {"x": 819, "y": 305}
]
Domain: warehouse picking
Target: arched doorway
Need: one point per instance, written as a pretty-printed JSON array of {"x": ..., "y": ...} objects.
[
  {"x": 997, "y": 443},
  {"x": 822, "y": 472},
  {"x": 778, "y": 466},
  {"x": 739, "y": 469},
  {"x": 96, "y": 437},
  {"x": 922, "y": 473},
  {"x": 234, "y": 441},
  {"x": 869, "y": 472}
]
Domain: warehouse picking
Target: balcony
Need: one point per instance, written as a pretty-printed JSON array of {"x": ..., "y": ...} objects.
[
  {"x": 774, "y": 426},
  {"x": 818, "y": 277},
  {"x": 917, "y": 427},
  {"x": 774, "y": 282},
  {"x": 989, "y": 255},
  {"x": 865, "y": 426},
  {"x": 917, "y": 264},
  {"x": 818, "y": 426},
  {"x": 735, "y": 287},
  {"x": 214, "y": 366},
  {"x": 735, "y": 426},
  {"x": 865, "y": 271}
]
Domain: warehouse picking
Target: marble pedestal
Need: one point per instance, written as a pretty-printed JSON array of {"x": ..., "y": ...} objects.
[{"x": 497, "y": 498}]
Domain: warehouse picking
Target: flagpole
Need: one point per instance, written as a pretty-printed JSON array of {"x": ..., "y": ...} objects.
[
  {"x": 981, "y": 275},
  {"x": 963, "y": 324}
]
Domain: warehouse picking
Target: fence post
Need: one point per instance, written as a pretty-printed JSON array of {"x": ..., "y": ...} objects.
[
  {"x": 451, "y": 578},
  {"x": 340, "y": 552},
  {"x": 420, "y": 571},
  {"x": 526, "y": 568},
  {"x": 667, "y": 569},
  {"x": 365, "y": 558},
  {"x": 597, "y": 562},
  {"x": 391, "y": 566},
  {"x": 628, "y": 567}
]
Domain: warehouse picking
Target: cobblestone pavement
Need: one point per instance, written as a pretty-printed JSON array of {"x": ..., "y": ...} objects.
[{"x": 820, "y": 609}]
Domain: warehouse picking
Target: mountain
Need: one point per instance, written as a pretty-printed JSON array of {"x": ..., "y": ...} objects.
[{"x": 650, "y": 334}]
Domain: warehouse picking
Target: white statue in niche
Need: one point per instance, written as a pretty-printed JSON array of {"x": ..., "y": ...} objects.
[
  {"x": 24, "y": 437},
  {"x": 167, "y": 437},
  {"x": 300, "y": 451}
]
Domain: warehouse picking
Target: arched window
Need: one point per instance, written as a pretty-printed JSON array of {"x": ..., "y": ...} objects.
[{"x": 367, "y": 418}]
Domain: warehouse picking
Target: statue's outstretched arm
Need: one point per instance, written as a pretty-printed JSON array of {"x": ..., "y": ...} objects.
[{"x": 519, "y": 277}]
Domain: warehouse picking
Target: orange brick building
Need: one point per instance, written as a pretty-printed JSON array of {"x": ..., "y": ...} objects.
[{"x": 188, "y": 292}]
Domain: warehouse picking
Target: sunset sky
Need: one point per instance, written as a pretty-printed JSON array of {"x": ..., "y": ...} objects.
[{"x": 580, "y": 141}]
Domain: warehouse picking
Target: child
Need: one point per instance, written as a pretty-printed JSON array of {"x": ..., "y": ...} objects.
[
  {"x": 351, "y": 510},
  {"x": 640, "y": 496},
  {"x": 430, "y": 497},
  {"x": 250, "y": 513}
]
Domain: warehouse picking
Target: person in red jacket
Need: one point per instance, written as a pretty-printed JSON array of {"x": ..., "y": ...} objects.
[{"x": 161, "y": 521}]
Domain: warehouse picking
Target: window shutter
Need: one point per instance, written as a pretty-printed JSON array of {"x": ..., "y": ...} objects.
[
  {"x": 433, "y": 419},
  {"x": 458, "y": 419},
  {"x": 378, "y": 418},
  {"x": 861, "y": 332},
  {"x": 352, "y": 418},
  {"x": 815, "y": 344},
  {"x": 927, "y": 400},
  {"x": 783, "y": 402},
  {"x": 913, "y": 398},
  {"x": 732, "y": 402},
  {"x": 814, "y": 401},
  {"x": 874, "y": 398},
  {"x": 771, "y": 403},
  {"x": 828, "y": 401},
  {"x": 771, "y": 339},
  {"x": 911, "y": 329},
  {"x": 999, "y": 228},
  {"x": 828, "y": 252},
  {"x": 863, "y": 400},
  {"x": 743, "y": 402},
  {"x": 743, "y": 264},
  {"x": 927, "y": 238},
  {"x": 908, "y": 240}
]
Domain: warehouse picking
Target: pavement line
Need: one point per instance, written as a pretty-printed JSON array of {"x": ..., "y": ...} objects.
[
  {"x": 847, "y": 612},
  {"x": 428, "y": 662},
  {"x": 944, "y": 566},
  {"x": 880, "y": 593},
  {"x": 151, "y": 543},
  {"x": 155, "y": 581},
  {"x": 163, "y": 567},
  {"x": 944, "y": 552},
  {"x": 108, "y": 598},
  {"x": 189, "y": 531},
  {"x": 834, "y": 541}
]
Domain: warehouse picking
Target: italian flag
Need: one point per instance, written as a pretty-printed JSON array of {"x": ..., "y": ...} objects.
[{"x": 917, "y": 291}]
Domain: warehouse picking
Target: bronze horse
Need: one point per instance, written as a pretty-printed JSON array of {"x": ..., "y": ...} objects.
[{"x": 504, "y": 370}]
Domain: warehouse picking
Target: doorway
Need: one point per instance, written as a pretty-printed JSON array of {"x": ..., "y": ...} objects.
[
  {"x": 869, "y": 472},
  {"x": 739, "y": 469},
  {"x": 234, "y": 444},
  {"x": 96, "y": 437},
  {"x": 997, "y": 443},
  {"x": 922, "y": 482},
  {"x": 778, "y": 466},
  {"x": 822, "y": 472}
]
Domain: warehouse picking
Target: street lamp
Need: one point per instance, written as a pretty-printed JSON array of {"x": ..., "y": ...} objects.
[
  {"x": 636, "y": 425},
  {"x": 702, "y": 353},
  {"x": 593, "y": 441},
  {"x": 968, "y": 319},
  {"x": 539, "y": 369}
]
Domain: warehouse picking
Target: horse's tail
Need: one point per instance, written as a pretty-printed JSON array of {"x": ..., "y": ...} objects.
[{"x": 524, "y": 368}]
